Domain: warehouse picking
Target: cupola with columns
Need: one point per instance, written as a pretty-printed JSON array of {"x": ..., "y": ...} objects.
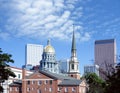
[{"x": 48, "y": 61}]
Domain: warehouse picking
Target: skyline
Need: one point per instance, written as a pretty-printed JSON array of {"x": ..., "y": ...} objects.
[{"x": 35, "y": 21}]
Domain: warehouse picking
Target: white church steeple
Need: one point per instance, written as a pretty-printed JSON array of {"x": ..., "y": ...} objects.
[{"x": 73, "y": 63}]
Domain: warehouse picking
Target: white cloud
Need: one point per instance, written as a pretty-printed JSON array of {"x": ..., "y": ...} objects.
[
  {"x": 42, "y": 18},
  {"x": 4, "y": 35},
  {"x": 86, "y": 37}
]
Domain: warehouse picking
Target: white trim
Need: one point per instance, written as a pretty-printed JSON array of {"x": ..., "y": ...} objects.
[{"x": 35, "y": 79}]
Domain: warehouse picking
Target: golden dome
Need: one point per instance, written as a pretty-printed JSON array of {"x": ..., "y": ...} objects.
[{"x": 49, "y": 48}]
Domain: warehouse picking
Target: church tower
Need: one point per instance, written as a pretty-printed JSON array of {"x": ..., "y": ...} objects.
[{"x": 73, "y": 63}]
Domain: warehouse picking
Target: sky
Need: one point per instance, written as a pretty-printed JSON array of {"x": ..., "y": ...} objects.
[{"x": 36, "y": 21}]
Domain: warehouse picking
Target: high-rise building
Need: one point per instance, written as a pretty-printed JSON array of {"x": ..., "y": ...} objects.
[
  {"x": 33, "y": 54},
  {"x": 91, "y": 69},
  {"x": 63, "y": 66},
  {"x": 105, "y": 54}
]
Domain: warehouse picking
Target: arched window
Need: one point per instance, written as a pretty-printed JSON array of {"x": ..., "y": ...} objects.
[{"x": 72, "y": 66}]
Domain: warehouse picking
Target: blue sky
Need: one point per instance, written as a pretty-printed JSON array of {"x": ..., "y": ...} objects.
[{"x": 35, "y": 21}]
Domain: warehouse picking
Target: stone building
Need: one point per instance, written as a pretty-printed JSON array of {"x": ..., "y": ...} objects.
[{"x": 48, "y": 61}]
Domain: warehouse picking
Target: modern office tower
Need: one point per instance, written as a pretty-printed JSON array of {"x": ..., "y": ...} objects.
[
  {"x": 63, "y": 65},
  {"x": 48, "y": 61},
  {"x": 105, "y": 54},
  {"x": 33, "y": 54},
  {"x": 91, "y": 69}
]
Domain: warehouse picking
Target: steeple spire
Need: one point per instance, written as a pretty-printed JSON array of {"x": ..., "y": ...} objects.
[
  {"x": 73, "y": 49},
  {"x": 73, "y": 63}
]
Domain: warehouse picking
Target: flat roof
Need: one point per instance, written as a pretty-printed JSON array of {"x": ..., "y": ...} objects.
[{"x": 106, "y": 41}]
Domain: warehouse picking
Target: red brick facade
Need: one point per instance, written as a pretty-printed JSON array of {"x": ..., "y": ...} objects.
[
  {"x": 15, "y": 89},
  {"x": 42, "y": 83}
]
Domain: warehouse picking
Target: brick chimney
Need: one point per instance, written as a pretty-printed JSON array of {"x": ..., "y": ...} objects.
[{"x": 23, "y": 80}]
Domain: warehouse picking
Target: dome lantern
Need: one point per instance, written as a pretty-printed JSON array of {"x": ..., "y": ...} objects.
[{"x": 49, "y": 48}]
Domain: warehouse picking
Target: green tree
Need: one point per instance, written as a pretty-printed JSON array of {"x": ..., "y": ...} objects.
[
  {"x": 113, "y": 82},
  {"x": 95, "y": 84},
  {"x": 5, "y": 71}
]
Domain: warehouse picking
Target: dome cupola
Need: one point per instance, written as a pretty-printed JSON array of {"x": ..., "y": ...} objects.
[{"x": 49, "y": 48}]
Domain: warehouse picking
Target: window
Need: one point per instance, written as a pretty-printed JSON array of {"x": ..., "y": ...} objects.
[
  {"x": 45, "y": 89},
  {"x": 48, "y": 65},
  {"x": 28, "y": 82},
  {"x": 50, "y": 82},
  {"x": 44, "y": 64},
  {"x": 58, "y": 89},
  {"x": 33, "y": 82},
  {"x": 32, "y": 89},
  {"x": 72, "y": 66},
  {"x": 19, "y": 76},
  {"x": 10, "y": 89},
  {"x": 39, "y": 82},
  {"x": 66, "y": 89},
  {"x": 16, "y": 89},
  {"x": 51, "y": 65},
  {"x": 39, "y": 91},
  {"x": 50, "y": 89},
  {"x": 73, "y": 89},
  {"x": 46, "y": 81},
  {"x": 28, "y": 89}
]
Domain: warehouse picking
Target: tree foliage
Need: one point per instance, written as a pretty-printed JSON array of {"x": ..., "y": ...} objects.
[
  {"x": 110, "y": 85},
  {"x": 96, "y": 84},
  {"x": 5, "y": 71},
  {"x": 113, "y": 82}
]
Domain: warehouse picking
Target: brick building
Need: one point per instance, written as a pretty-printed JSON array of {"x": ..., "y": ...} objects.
[
  {"x": 47, "y": 80},
  {"x": 15, "y": 87}
]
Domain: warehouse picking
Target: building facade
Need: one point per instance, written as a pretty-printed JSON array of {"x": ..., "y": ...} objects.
[
  {"x": 33, "y": 54},
  {"x": 63, "y": 65},
  {"x": 91, "y": 69},
  {"x": 47, "y": 82},
  {"x": 48, "y": 61},
  {"x": 105, "y": 54},
  {"x": 18, "y": 78}
]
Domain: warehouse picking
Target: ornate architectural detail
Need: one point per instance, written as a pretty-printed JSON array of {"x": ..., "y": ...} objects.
[{"x": 48, "y": 61}]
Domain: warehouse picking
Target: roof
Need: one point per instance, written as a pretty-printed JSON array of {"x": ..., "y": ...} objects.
[
  {"x": 65, "y": 80},
  {"x": 73, "y": 42},
  {"x": 16, "y": 83},
  {"x": 70, "y": 82},
  {"x": 105, "y": 41},
  {"x": 56, "y": 76}
]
